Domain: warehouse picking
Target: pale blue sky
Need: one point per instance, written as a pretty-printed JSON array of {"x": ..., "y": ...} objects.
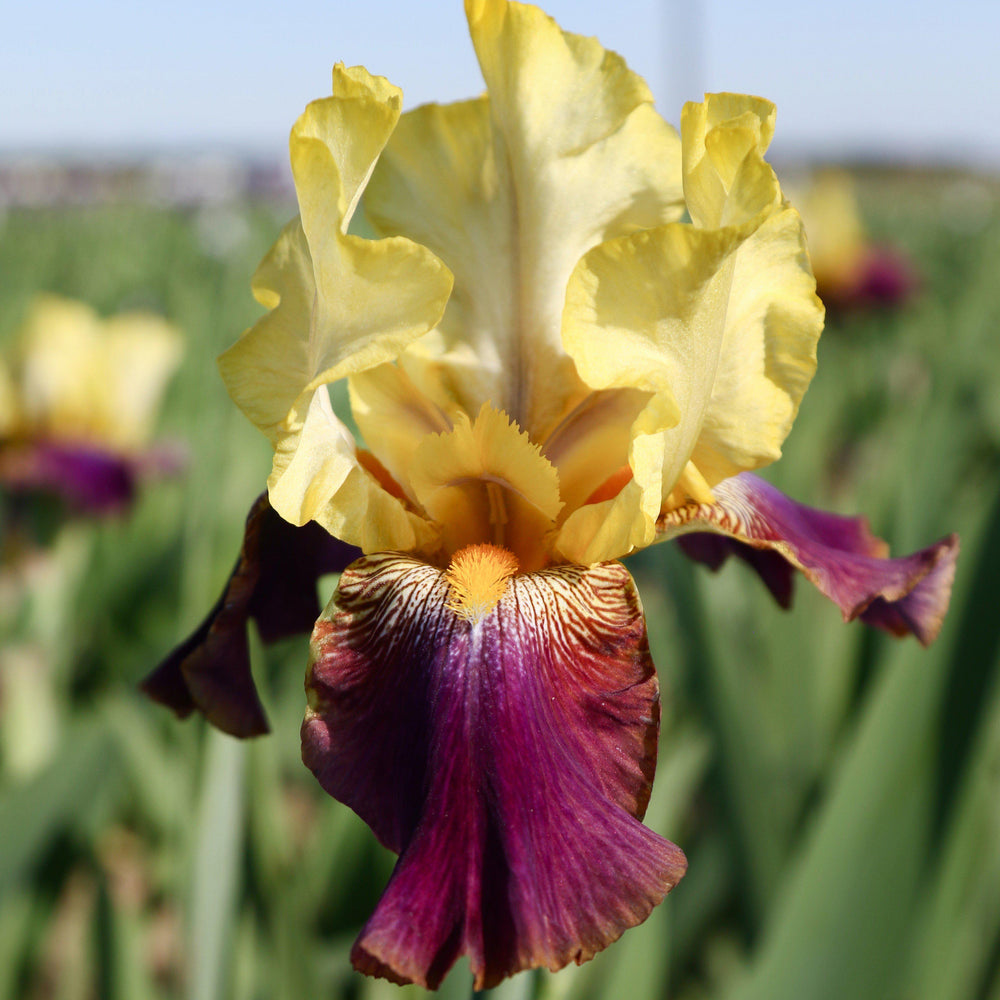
[{"x": 848, "y": 77}]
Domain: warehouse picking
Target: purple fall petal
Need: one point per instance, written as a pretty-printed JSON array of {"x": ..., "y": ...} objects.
[
  {"x": 274, "y": 583},
  {"x": 838, "y": 554},
  {"x": 505, "y": 759},
  {"x": 87, "y": 479},
  {"x": 923, "y": 609}
]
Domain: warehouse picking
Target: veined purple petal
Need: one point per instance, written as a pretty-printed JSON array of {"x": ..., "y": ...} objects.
[
  {"x": 908, "y": 595},
  {"x": 274, "y": 583},
  {"x": 506, "y": 760}
]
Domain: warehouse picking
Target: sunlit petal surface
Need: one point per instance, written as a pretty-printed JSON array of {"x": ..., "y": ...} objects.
[
  {"x": 511, "y": 189},
  {"x": 718, "y": 320},
  {"x": 318, "y": 475},
  {"x": 331, "y": 317}
]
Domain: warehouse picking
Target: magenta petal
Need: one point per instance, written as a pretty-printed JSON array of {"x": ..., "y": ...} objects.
[
  {"x": 848, "y": 564},
  {"x": 881, "y": 278},
  {"x": 274, "y": 583},
  {"x": 85, "y": 478},
  {"x": 921, "y": 611},
  {"x": 505, "y": 760},
  {"x": 887, "y": 278}
]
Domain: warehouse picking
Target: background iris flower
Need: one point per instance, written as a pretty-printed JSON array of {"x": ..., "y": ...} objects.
[
  {"x": 852, "y": 270},
  {"x": 78, "y": 398},
  {"x": 576, "y": 335}
]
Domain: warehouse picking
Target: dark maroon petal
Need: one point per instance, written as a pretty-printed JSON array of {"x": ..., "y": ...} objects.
[
  {"x": 274, "y": 583},
  {"x": 908, "y": 595},
  {"x": 85, "y": 478},
  {"x": 713, "y": 550},
  {"x": 505, "y": 759},
  {"x": 210, "y": 670}
]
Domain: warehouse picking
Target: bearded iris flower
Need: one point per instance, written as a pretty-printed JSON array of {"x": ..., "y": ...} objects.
[
  {"x": 852, "y": 272},
  {"x": 78, "y": 397},
  {"x": 575, "y": 335}
]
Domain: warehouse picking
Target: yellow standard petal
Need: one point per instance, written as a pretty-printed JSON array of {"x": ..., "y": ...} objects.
[
  {"x": 773, "y": 317},
  {"x": 773, "y": 323},
  {"x": 647, "y": 312},
  {"x": 511, "y": 190},
  {"x": 717, "y": 320},
  {"x": 437, "y": 184},
  {"x": 340, "y": 304},
  {"x": 591, "y": 445},
  {"x": 726, "y": 180}
]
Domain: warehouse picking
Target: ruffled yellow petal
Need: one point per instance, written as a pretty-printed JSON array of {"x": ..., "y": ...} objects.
[
  {"x": 437, "y": 183},
  {"x": 648, "y": 312},
  {"x": 270, "y": 366},
  {"x": 317, "y": 477},
  {"x": 594, "y": 533},
  {"x": 566, "y": 152},
  {"x": 726, "y": 180},
  {"x": 773, "y": 323},
  {"x": 340, "y": 304},
  {"x": 611, "y": 528},
  {"x": 485, "y": 482},
  {"x": 718, "y": 324},
  {"x": 335, "y": 144}
]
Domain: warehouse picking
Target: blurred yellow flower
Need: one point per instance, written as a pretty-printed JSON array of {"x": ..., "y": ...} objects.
[
  {"x": 851, "y": 271},
  {"x": 78, "y": 398}
]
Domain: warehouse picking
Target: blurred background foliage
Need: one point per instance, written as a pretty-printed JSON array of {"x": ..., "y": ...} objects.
[{"x": 837, "y": 792}]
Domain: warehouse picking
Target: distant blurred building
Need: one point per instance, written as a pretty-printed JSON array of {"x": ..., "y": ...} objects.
[{"x": 169, "y": 180}]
